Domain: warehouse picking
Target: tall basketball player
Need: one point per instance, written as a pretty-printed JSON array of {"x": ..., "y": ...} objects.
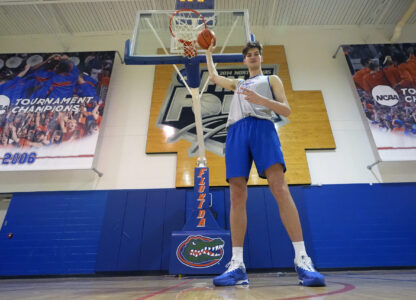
[{"x": 252, "y": 136}]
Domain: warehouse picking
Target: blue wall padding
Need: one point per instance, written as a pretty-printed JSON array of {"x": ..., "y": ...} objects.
[
  {"x": 280, "y": 250},
  {"x": 141, "y": 240},
  {"x": 151, "y": 252},
  {"x": 85, "y": 232},
  {"x": 174, "y": 217},
  {"x": 112, "y": 226},
  {"x": 258, "y": 232},
  {"x": 53, "y": 233},
  {"x": 218, "y": 207},
  {"x": 362, "y": 225},
  {"x": 131, "y": 232}
]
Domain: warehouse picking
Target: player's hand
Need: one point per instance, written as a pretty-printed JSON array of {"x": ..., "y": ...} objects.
[
  {"x": 54, "y": 57},
  {"x": 251, "y": 96},
  {"x": 211, "y": 46}
]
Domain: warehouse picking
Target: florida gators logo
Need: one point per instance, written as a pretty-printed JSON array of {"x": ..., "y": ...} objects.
[{"x": 200, "y": 251}]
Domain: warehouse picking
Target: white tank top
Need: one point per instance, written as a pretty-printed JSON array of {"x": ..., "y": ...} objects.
[{"x": 241, "y": 108}]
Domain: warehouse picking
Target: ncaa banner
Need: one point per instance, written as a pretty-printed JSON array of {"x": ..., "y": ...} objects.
[
  {"x": 51, "y": 108},
  {"x": 385, "y": 79}
]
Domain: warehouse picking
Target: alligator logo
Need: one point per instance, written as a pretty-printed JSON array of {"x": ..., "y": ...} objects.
[{"x": 200, "y": 251}]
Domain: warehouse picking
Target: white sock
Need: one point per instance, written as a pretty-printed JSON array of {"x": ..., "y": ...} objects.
[
  {"x": 238, "y": 255},
  {"x": 299, "y": 249}
]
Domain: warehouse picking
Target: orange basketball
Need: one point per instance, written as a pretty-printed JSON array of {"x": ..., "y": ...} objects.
[{"x": 205, "y": 37}]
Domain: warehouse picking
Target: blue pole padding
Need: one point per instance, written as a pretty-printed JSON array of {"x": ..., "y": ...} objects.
[
  {"x": 223, "y": 58},
  {"x": 192, "y": 72},
  {"x": 126, "y": 49},
  {"x": 154, "y": 60},
  {"x": 175, "y": 59}
]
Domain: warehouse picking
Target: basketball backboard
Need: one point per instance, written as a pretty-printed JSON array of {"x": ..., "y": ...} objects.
[{"x": 152, "y": 42}]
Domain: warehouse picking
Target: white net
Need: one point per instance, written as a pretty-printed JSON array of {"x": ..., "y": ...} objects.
[{"x": 184, "y": 27}]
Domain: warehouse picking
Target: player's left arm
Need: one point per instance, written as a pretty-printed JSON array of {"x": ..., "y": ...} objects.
[
  {"x": 280, "y": 106},
  {"x": 23, "y": 73},
  {"x": 95, "y": 113}
]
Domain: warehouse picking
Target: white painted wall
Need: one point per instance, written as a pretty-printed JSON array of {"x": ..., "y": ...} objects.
[
  {"x": 312, "y": 67},
  {"x": 121, "y": 153}
]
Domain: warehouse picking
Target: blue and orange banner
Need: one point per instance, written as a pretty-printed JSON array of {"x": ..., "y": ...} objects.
[
  {"x": 385, "y": 79},
  {"x": 51, "y": 108}
]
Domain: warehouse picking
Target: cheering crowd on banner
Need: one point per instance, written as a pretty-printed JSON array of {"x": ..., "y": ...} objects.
[
  {"x": 52, "y": 99},
  {"x": 391, "y": 66}
]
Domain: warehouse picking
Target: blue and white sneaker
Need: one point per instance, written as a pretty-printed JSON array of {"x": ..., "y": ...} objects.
[
  {"x": 307, "y": 274},
  {"x": 235, "y": 275}
]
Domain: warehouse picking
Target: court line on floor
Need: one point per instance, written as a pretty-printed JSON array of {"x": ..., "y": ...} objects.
[
  {"x": 347, "y": 287},
  {"x": 375, "y": 278},
  {"x": 164, "y": 290}
]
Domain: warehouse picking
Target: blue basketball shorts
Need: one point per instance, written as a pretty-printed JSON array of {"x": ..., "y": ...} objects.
[{"x": 252, "y": 139}]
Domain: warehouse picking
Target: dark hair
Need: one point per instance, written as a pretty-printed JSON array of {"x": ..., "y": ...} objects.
[
  {"x": 6, "y": 74},
  {"x": 251, "y": 45},
  {"x": 373, "y": 65},
  {"x": 400, "y": 58},
  {"x": 51, "y": 64},
  {"x": 64, "y": 66},
  {"x": 410, "y": 51},
  {"x": 91, "y": 125},
  {"x": 364, "y": 61},
  {"x": 39, "y": 134},
  {"x": 58, "y": 133}
]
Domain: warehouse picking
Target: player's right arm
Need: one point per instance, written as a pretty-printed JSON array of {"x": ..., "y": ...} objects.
[
  {"x": 227, "y": 83},
  {"x": 14, "y": 134},
  {"x": 52, "y": 57}
]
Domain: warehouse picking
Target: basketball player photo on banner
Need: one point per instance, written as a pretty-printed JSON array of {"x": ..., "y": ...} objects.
[
  {"x": 51, "y": 108},
  {"x": 385, "y": 79}
]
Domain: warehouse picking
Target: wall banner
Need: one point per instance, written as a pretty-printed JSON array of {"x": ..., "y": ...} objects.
[
  {"x": 385, "y": 79},
  {"x": 51, "y": 108}
]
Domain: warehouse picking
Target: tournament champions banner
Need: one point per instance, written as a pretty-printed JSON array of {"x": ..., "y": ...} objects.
[
  {"x": 51, "y": 107},
  {"x": 385, "y": 78}
]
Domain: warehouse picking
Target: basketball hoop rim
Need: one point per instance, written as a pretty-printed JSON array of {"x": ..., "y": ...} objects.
[{"x": 181, "y": 10}]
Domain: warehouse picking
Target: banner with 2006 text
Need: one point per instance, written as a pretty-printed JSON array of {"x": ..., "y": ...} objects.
[{"x": 51, "y": 109}]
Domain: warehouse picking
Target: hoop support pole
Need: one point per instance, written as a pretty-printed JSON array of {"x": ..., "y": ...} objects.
[{"x": 202, "y": 161}]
